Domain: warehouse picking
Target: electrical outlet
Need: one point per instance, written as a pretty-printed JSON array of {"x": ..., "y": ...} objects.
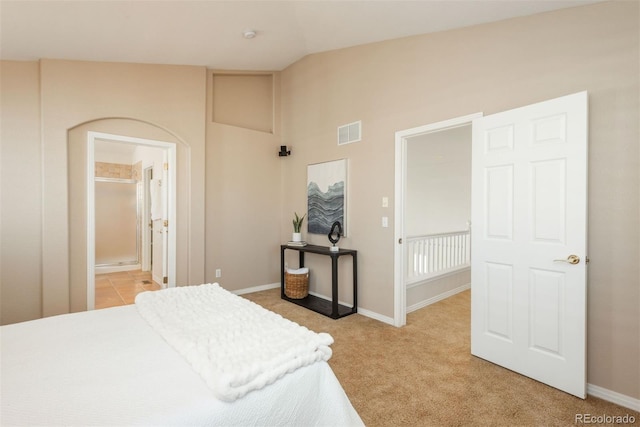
[
  {"x": 385, "y": 202},
  {"x": 385, "y": 221},
  {"x": 218, "y": 272}
]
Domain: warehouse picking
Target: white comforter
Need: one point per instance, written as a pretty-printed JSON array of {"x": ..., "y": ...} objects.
[
  {"x": 109, "y": 367},
  {"x": 235, "y": 345}
]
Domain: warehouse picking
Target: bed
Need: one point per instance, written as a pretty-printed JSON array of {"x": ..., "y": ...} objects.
[{"x": 136, "y": 365}]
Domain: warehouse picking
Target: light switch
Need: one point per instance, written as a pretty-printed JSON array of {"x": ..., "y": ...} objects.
[
  {"x": 385, "y": 221},
  {"x": 385, "y": 202}
]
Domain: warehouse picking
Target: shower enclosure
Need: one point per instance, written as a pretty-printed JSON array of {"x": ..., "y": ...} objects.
[{"x": 117, "y": 207}]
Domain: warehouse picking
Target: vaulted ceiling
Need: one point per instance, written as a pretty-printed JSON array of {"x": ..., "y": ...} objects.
[{"x": 210, "y": 32}]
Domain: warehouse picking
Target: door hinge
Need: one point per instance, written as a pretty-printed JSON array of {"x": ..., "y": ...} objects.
[
  {"x": 165, "y": 166},
  {"x": 165, "y": 280},
  {"x": 166, "y": 223},
  {"x": 400, "y": 241}
]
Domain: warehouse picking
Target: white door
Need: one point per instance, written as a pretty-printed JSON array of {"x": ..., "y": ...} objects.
[
  {"x": 529, "y": 225},
  {"x": 158, "y": 216},
  {"x": 165, "y": 222},
  {"x": 157, "y": 262},
  {"x": 146, "y": 223}
]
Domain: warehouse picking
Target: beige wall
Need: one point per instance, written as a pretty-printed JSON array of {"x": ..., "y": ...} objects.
[
  {"x": 20, "y": 192},
  {"x": 58, "y": 96},
  {"x": 438, "y": 198},
  {"x": 243, "y": 183},
  {"x": 404, "y": 83}
]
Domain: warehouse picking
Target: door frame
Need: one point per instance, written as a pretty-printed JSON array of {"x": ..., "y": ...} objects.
[
  {"x": 399, "y": 285},
  {"x": 170, "y": 153}
]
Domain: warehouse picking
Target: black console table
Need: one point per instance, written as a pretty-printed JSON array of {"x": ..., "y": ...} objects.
[{"x": 329, "y": 308}]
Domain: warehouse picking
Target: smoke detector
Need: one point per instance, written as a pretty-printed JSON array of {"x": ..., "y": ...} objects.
[{"x": 248, "y": 34}]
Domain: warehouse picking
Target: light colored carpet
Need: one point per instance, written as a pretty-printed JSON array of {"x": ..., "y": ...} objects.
[{"x": 423, "y": 374}]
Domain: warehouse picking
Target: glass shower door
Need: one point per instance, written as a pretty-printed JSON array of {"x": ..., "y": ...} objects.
[{"x": 117, "y": 230}]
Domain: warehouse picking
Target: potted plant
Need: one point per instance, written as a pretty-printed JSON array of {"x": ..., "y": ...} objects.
[{"x": 297, "y": 226}]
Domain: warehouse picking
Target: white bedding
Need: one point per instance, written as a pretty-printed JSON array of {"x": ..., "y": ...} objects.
[
  {"x": 109, "y": 367},
  {"x": 234, "y": 344}
]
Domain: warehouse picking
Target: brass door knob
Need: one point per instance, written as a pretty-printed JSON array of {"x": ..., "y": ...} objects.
[{"x": 571, "y": 259}]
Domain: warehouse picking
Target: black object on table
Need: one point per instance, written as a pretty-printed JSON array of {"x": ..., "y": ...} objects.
[{"x": 329, "y": 308}]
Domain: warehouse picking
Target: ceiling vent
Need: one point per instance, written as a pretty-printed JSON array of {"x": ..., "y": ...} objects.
[{"x": 349, "y": 133}]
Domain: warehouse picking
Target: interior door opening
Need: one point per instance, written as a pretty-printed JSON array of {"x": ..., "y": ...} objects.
[
  {"x": 414, "y": 189},
  {"x": 154, "y": 204},
  {"x": 437, "y": 216}
]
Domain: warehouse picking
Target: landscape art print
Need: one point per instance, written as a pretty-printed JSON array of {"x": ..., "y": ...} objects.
[{"x": 326, "y": 196}]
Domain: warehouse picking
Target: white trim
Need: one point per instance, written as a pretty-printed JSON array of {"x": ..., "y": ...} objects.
[
  {"x": 116, "y": 268},
  {"x": 324, "y": 297},
  {"x": 438, "y": 297},
  {"x": 255, "y": 289},
  {"x": 91, "y": 223},
  {"x": 158, "y": 280},
  {"x": 362, "y": 311},
  {"x": 438, "y": 277},
  {"x": 170, "y": 150},
  {"x": 613, "y": 397},
  {"x": 399, "y": 288},
  {"x": 376, "y": 316}
]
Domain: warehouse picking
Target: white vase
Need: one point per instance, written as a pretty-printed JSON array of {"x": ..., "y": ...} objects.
[{"x": 297, "y": 237}]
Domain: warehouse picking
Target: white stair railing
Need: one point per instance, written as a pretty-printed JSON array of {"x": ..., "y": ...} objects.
[{"x": 434, "y": 255}]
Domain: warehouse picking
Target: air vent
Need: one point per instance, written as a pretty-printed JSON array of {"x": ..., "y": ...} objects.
[{"x": 350, "y": 133}]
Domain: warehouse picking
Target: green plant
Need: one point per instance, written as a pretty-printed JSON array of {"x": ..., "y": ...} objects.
[{"x": 297, "y": 222}]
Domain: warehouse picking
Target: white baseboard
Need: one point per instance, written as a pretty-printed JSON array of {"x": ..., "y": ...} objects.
[
  {"x": 362, "y": 311},
  {"x": 613, "y": 397},
  {"x": 437, "y": 298},
  {"x": 375, "y": 316},
  {"x": 256, "y": 288},
  {"x": 324, "y": 297},
  {"x": 159, "y": 281},
  {"x": 438, "y": 277},
  {"x": 116, "y": 268}
]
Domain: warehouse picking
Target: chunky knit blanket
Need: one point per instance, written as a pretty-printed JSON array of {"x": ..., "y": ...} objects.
[{"x": 234, "y": 344}]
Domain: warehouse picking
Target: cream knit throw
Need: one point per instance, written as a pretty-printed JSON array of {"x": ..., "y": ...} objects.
[{"x": 234, "y": 344}]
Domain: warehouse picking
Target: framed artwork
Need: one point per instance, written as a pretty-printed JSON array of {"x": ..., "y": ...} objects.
[{"x": 326, "y": 196}]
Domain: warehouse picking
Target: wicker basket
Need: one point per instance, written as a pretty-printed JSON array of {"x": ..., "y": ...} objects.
[{"x": 296, "y": 286}]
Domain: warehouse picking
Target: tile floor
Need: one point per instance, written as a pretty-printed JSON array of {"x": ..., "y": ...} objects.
[{"x": 114, "y": 289}]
